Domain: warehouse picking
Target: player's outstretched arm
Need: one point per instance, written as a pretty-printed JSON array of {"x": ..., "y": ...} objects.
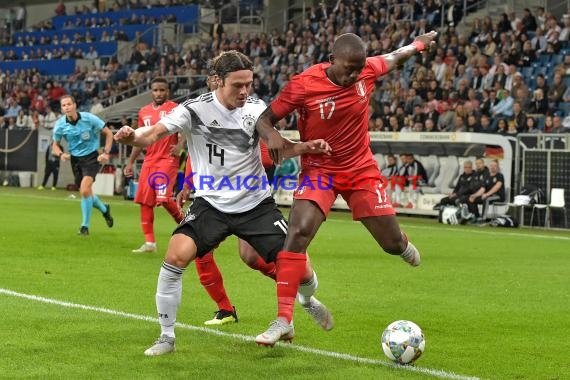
[
  {"x": 141, "y": 137},
  {"x": 128, "y": 170},
  {"x": 396, "y": 58},
  {"x": 318, "y": 146},
  {"x": 276, "y": 144}
]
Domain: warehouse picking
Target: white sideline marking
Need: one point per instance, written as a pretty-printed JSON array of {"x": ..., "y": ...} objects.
[{"x": 337, "y": 355}]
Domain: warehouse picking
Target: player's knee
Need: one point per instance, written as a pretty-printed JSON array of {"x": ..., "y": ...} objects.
[
  {"x": 249, "y": 260},
  {"x": 177, "y": 259},
  {"x": 298, "y": 237},
  {"x": 248, "y": 254}
]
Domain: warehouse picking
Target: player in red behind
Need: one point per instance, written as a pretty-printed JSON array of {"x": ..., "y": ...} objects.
[
  {"x": 160, "y": 166},
  {"x": 211, "y": 278},
  {"x": 332, "y": 100}
]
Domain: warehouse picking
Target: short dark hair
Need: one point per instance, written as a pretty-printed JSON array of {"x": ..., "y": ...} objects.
[{"x": 159, "y": 80}]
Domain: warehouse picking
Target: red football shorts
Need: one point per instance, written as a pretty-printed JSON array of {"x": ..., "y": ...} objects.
[
  {"x": 364, "y": 190},
  {"x": 156, "y": 185}
]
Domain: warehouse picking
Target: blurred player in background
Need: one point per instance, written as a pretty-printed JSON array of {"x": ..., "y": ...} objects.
[
  {"x": 52, "y": 168},
  {"x": 160, "y": 166},
  {"x": 82, "y": 132}
]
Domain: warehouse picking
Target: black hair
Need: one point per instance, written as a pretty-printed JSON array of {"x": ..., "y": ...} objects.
[{"x": 159, "y": 80}]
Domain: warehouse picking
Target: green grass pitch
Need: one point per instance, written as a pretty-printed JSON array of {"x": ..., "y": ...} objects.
[{"x": 493, "y": 303}]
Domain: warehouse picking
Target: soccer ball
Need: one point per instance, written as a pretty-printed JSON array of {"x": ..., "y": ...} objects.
[{"x": 403, "y": 342}]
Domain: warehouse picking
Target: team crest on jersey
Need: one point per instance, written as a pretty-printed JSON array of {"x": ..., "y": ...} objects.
[
  {"x": 360, "y": 88},
  {"x": 248, "y": 124}
]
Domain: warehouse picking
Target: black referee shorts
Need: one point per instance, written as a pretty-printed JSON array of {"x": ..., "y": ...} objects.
[
  {"x": 263, "y": 227},
  {"x": 85, "y": 166}
]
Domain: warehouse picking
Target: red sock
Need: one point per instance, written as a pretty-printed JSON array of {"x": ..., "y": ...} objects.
[
  {"x": 211, "y": 279},
  {"x": 147, "y": 223},
  {"x": 267, "y": 269},
  {"x": 173, "y": 210},
  {"x": 290, "y": 270}
]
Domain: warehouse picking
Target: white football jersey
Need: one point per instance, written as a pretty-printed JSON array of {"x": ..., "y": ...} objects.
[{"x": 224, "y": 150}]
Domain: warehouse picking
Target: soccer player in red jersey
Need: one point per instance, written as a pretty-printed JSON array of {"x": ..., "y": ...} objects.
[
  {"x": 160, "y": 166},
  {"x": 332, "y": 100}
]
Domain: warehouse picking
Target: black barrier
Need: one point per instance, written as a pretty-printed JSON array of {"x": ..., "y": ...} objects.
[{"x": 18, "y": 150}]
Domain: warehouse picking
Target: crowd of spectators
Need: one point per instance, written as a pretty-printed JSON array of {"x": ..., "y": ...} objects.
[{"x": 471, "y": 82}]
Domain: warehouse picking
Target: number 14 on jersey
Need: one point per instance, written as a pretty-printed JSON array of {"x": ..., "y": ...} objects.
[{"x": 215, "y": 151}]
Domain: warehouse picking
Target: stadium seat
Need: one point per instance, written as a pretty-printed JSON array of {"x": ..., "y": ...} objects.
[
  {"x": 448, "y": 170},
  {"x": 540, "y": 70},
  {"x": 431, "y": 165},
  {"x": 543, "y": 59},
  {"x": 557, "y": 202},
  {"x": 527, "y": 72},
  {"x": 565, "y": 107},
  {"x": 381, "y": 161}
]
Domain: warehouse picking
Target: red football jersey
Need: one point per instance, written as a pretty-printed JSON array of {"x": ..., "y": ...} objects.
[
  {"x": 158, "y": 153},
  {"x": 334, "y": 113},
  {"x": 266, "y": 160}
]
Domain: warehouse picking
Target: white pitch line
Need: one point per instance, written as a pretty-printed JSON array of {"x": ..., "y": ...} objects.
[{"x": 337, "y": 355}]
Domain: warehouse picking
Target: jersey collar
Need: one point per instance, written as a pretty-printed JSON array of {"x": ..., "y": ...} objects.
[{"x": 73, "y": 122}]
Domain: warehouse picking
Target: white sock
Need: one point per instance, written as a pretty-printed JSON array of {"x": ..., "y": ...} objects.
[
  {"x": 168, "y": 295},
  {"x": 307, "y": 289},
  {"x": 410, "y": 252}
]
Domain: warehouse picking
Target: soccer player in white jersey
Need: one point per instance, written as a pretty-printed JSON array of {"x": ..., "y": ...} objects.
[{"x": 223, "y": 144}]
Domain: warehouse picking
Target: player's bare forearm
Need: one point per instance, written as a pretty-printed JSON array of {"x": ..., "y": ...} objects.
[
  {"x": 176, "y": 149},
  {"x": 293, "y": 149},
  {"x": 181, "y": 141},
  {"x": 274, "y": 141},
  {"x": 141, "y": 137},
  {"x": 397, "y": 58},
  {"x": 265, "y": 123},
  {"x": 134, "y": 155}
]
